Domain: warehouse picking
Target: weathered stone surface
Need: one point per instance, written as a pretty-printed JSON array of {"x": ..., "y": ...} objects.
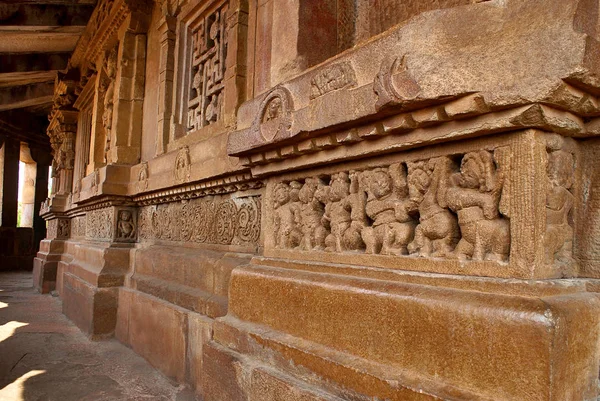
[{"x": 333, "y": 200}]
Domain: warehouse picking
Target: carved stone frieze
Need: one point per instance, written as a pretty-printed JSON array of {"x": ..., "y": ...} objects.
[
  {"x": 444, "y": 207},
  {"x": 209, "y": 52},
  {"x": 211, "y": 220},
  {"x": 221, "y": 186},
  {"x": 78, "y": 227},
  {"x": 100, "y": 224}
]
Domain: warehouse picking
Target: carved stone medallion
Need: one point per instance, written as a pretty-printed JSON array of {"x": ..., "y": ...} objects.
[
  {"x": 394, "y": 85},
  {"x": 275, "y": 117}
]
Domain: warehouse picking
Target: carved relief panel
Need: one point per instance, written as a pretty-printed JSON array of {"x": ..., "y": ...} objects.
[
  {"x": 59, "y": 228},
  {"x": 444, "y": 207},
  {"x": 209, "y": 220},
  {"x": 100, "y": 223},
  {"x": 501, "y": 206},
  {"x": 126, "y": 230},
  {"x": 558, "y": 238}
]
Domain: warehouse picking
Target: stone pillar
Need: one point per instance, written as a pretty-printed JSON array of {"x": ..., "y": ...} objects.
[
  {"x": 43, "y": 160},
  {"x": 126, "y": 128},
  {"x": 10, "y": 182},
  {"x": 166, "y": 76},
  {"x": 27, "y": 194}
]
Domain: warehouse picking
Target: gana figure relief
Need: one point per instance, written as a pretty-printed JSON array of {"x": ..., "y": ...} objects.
[{"x": 444, "y": 207}]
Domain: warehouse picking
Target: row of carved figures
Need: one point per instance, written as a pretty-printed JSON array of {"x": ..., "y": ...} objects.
[{"x": 441, "y": 207}]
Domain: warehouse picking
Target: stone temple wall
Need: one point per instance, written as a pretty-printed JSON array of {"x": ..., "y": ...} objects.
[{"x": 335, "y": 200}]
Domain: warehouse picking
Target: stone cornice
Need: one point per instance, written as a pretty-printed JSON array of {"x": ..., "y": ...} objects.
[
  {"x": 228, "y": 184},
  {"x": 106, "y": 20}
]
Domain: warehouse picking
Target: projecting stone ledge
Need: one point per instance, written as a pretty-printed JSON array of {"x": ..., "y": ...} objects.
[{"x": 434, "y": 70}]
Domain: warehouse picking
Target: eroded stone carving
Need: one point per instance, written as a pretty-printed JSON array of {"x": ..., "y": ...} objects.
[
  {"x": 126, "y": 225},
  {"x": 209, "y": 51},
  {"x": 142, "y": 183},
  {"x": 394, "y": 84},
  {"x": 437, "y": 233},
  {"x": 275, "y": 117},
  {"x": 389, "y": 208},
  {"x": 59, "y": 228},
  {"x": 286, "y": 217},
  {"x": 95, "y": 181},
  {"x": 338, "y": 76},
  {"x": 475, "y": 197},
  {"x": 211, "y": 220},
  {"x": 108, "y": 90},
  {"x": 444, "y": 207},
  {"x": 78, "y": 227},
  {"x": 63, "y": 228},
  {"x": 99, "y": 224},
  {"x": 558, "y": 240},
  {"x": 182, "y": 165}
]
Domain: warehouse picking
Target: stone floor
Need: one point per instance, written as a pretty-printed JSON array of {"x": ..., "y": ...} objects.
[{"x": 44, "y": 357}]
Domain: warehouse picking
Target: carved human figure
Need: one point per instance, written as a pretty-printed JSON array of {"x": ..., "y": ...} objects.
[
  {"x": 63, "y": 228},
  {"x": 311, "y": 213},
  {"x": 437, "y": 232},
  {"x": 338, "y": 213},
  {"x": 475, "y": 196},
  {"x": 286, "y": 216},
  {"x": 558, "y": 239},
  {"x": 273, "y": 110},
  {"x": 125, "y": 225},
  {"x": 388, "y": 208},
  {"x": 109, "y": 94}
]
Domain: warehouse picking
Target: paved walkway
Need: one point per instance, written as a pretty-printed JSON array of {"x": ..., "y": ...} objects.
[{"x": 44, "y": 357}]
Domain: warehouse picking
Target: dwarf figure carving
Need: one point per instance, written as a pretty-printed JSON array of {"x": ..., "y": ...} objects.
[
  {"x": 125, "y": 226},
  {"x": 437, "y": 232},
  {"x": 338, "y": 213},
  {"x": 389, "y": 208},
  {"x": 311, "y": 213},
  {"x": 558, "y": 240},
  {"x": 475, "y": 196},
  {"x": 286, "y": 217}
]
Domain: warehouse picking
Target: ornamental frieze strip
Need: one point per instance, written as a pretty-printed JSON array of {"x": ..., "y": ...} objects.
[{"x": 497, "y": 207}]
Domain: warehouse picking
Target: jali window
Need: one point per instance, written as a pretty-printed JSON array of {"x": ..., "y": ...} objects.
[{"x": 209, "y": 52}]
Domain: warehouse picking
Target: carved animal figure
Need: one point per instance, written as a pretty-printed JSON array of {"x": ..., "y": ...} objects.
[
  {"x": 311, "y": 213},
  {"x": 558, "y": 239},
  {"x": 475, "y": 196},
  {"x": 437, "y": 232},
  {"x": 388, "y": 207},
  {"x": 286, "y": 217}
]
